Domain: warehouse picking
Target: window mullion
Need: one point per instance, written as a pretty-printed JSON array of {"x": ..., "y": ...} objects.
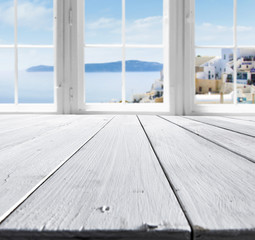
[
  {"x": 16, "y": 94},
  {"x": 235, "y": 51},
  {"x": 123, "y": 51},
  {"x": 166, "y": 53}
]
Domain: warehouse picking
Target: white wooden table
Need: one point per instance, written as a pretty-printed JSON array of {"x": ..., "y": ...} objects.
[{"x": 127, "y": 177}]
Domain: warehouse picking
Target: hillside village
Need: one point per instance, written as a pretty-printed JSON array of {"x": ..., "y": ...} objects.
[
  {"x": 154, "y": 95},
  {"x": 214, "y": 77}
]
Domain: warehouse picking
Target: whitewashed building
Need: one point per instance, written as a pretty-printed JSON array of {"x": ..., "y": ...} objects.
[{"x": 222, "y": 67}]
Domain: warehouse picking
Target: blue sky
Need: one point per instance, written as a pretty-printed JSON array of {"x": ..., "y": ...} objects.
[
  {"x": 143, "y": 21},
  {"x": 134, "y": 8},
  {"x": 35, "y": 26},
  {"x": 103, "y": 25},
  {"x": 214, "y": 26},
  {"x": 214, "y": 23},
  {"x": 35, "y": 21}
]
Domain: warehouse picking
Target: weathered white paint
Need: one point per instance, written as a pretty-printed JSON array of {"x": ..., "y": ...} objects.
[
  {"x": 240, "y": 144},
  {"x": 29, "y": 154},
  {"x": 215, "y": 186},
  {"x": 239, "y": 126},
  {"x": 245, "y": 118},
  {"x": 113, "y": 187}
]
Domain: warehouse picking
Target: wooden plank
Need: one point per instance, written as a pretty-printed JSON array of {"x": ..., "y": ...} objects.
[
  {"x": 9, "y": 121},
  {"x": 19, "y": 132},
  {"x": 215, "y": 186},
  {"x": 236, "y": 125},
  {"x": 24, "y": 165},
  {"x": 7, "y": 117},
  {"x": 238, "y": 143},
  {"x": 245, "y": 118},
  {"x": 113, "y": 188}
]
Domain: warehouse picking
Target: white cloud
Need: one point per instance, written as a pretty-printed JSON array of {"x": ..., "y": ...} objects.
[
  {"x": 244, "y": 29},
  {"x": 140, "y": 31},
  {"x": 7, "y": 13},
  {"x": 104, "y": 23},
  {"x": 211, "y": 34},
  {"x": 222, "y": 28},
  {"x": 31, "y": 14},
  {"x": 206, "y": 24},
  {"x": 147, "y": 30},
  {"x": 103, "y": 30}
]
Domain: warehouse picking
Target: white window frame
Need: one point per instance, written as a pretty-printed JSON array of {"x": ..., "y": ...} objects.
[
  {"x": 190, "y": 108},
  {"x": 120, "y": 107},
  {"x": 19, "y": 107},
  {"x": 179, "y": 71}
]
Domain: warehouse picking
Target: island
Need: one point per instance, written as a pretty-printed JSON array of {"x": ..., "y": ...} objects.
[{"x": 131, "y": 66}]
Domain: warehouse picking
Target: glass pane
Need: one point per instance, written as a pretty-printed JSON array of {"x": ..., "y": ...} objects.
[
  {"x": 214, "y": 76},
  {"x": 144, "y": 23},
  {"x": 36, "y": 76},
  {"x": 35, "y": 22},
  {"x": 7, "y": 76},
  {"x": 6, "y": 21},
  {"x": 144, "y": 75},
  {"x": 214, "y": 22},
  {"x": 245, "y": 22},
  {"x": 103, "y": 75},
  {"x": 103, "y": 21},
  {"x": 245, "y": 75}
]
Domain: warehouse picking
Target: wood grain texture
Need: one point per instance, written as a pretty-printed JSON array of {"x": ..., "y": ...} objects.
[
  {"x": 215, "y": 186},
  {"x": 20, "y": 131},
  {"x": 25, "y": 164},
  {"x": 238, "y": 143},
  {"x": 245, "y": 118},
  {"x": 10, "y": 122},
  {"x": 237, "y": 125},
  {"x": 113, "y": 188}
]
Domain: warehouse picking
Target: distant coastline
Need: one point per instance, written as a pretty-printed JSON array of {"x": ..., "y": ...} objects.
[{"x": 131, "y": 66}]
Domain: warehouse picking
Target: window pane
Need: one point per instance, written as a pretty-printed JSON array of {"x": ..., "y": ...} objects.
[
  {"x": 6, "y": 21},
  {"x": 103, "y": 75},
  {"x": 214, "y": 76},
  {"x": 245, "y": 22},
  {"x": 144, "y": 21},
  {"x": 36, "y": 76},
  {"x": 144, "y": 75},
  {"x": 35, "y": 22},
  {"x": 245, "y": 75},
  {"x": 103, "y": 20},
  {"x": 7, "y": 76},
  {"x": 214, "y": 22}
]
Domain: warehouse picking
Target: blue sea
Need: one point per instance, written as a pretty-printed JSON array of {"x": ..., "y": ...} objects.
[{"x": 38, "y": 87}]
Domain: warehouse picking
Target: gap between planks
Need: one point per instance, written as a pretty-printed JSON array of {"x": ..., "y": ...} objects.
[
  {"x": 246, "y": 156},
  {"x": 170, "y": 183},
  {"x": 215, "y": 185},
  {"x": 200, "y": 119},
  {"x": 119, "y": 156},
  {"x": 243, "y": 118},
  {"x": 23, "y": 199}
]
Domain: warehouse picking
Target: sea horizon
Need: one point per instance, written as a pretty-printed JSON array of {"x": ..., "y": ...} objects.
[{"x": 101, "y": 87}]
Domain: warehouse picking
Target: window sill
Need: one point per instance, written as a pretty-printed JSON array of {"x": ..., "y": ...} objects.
[
  {"x": 212, "y": 109},
  {"x": 28, "y": 108},
  {"x": 125, "y": 108}
]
